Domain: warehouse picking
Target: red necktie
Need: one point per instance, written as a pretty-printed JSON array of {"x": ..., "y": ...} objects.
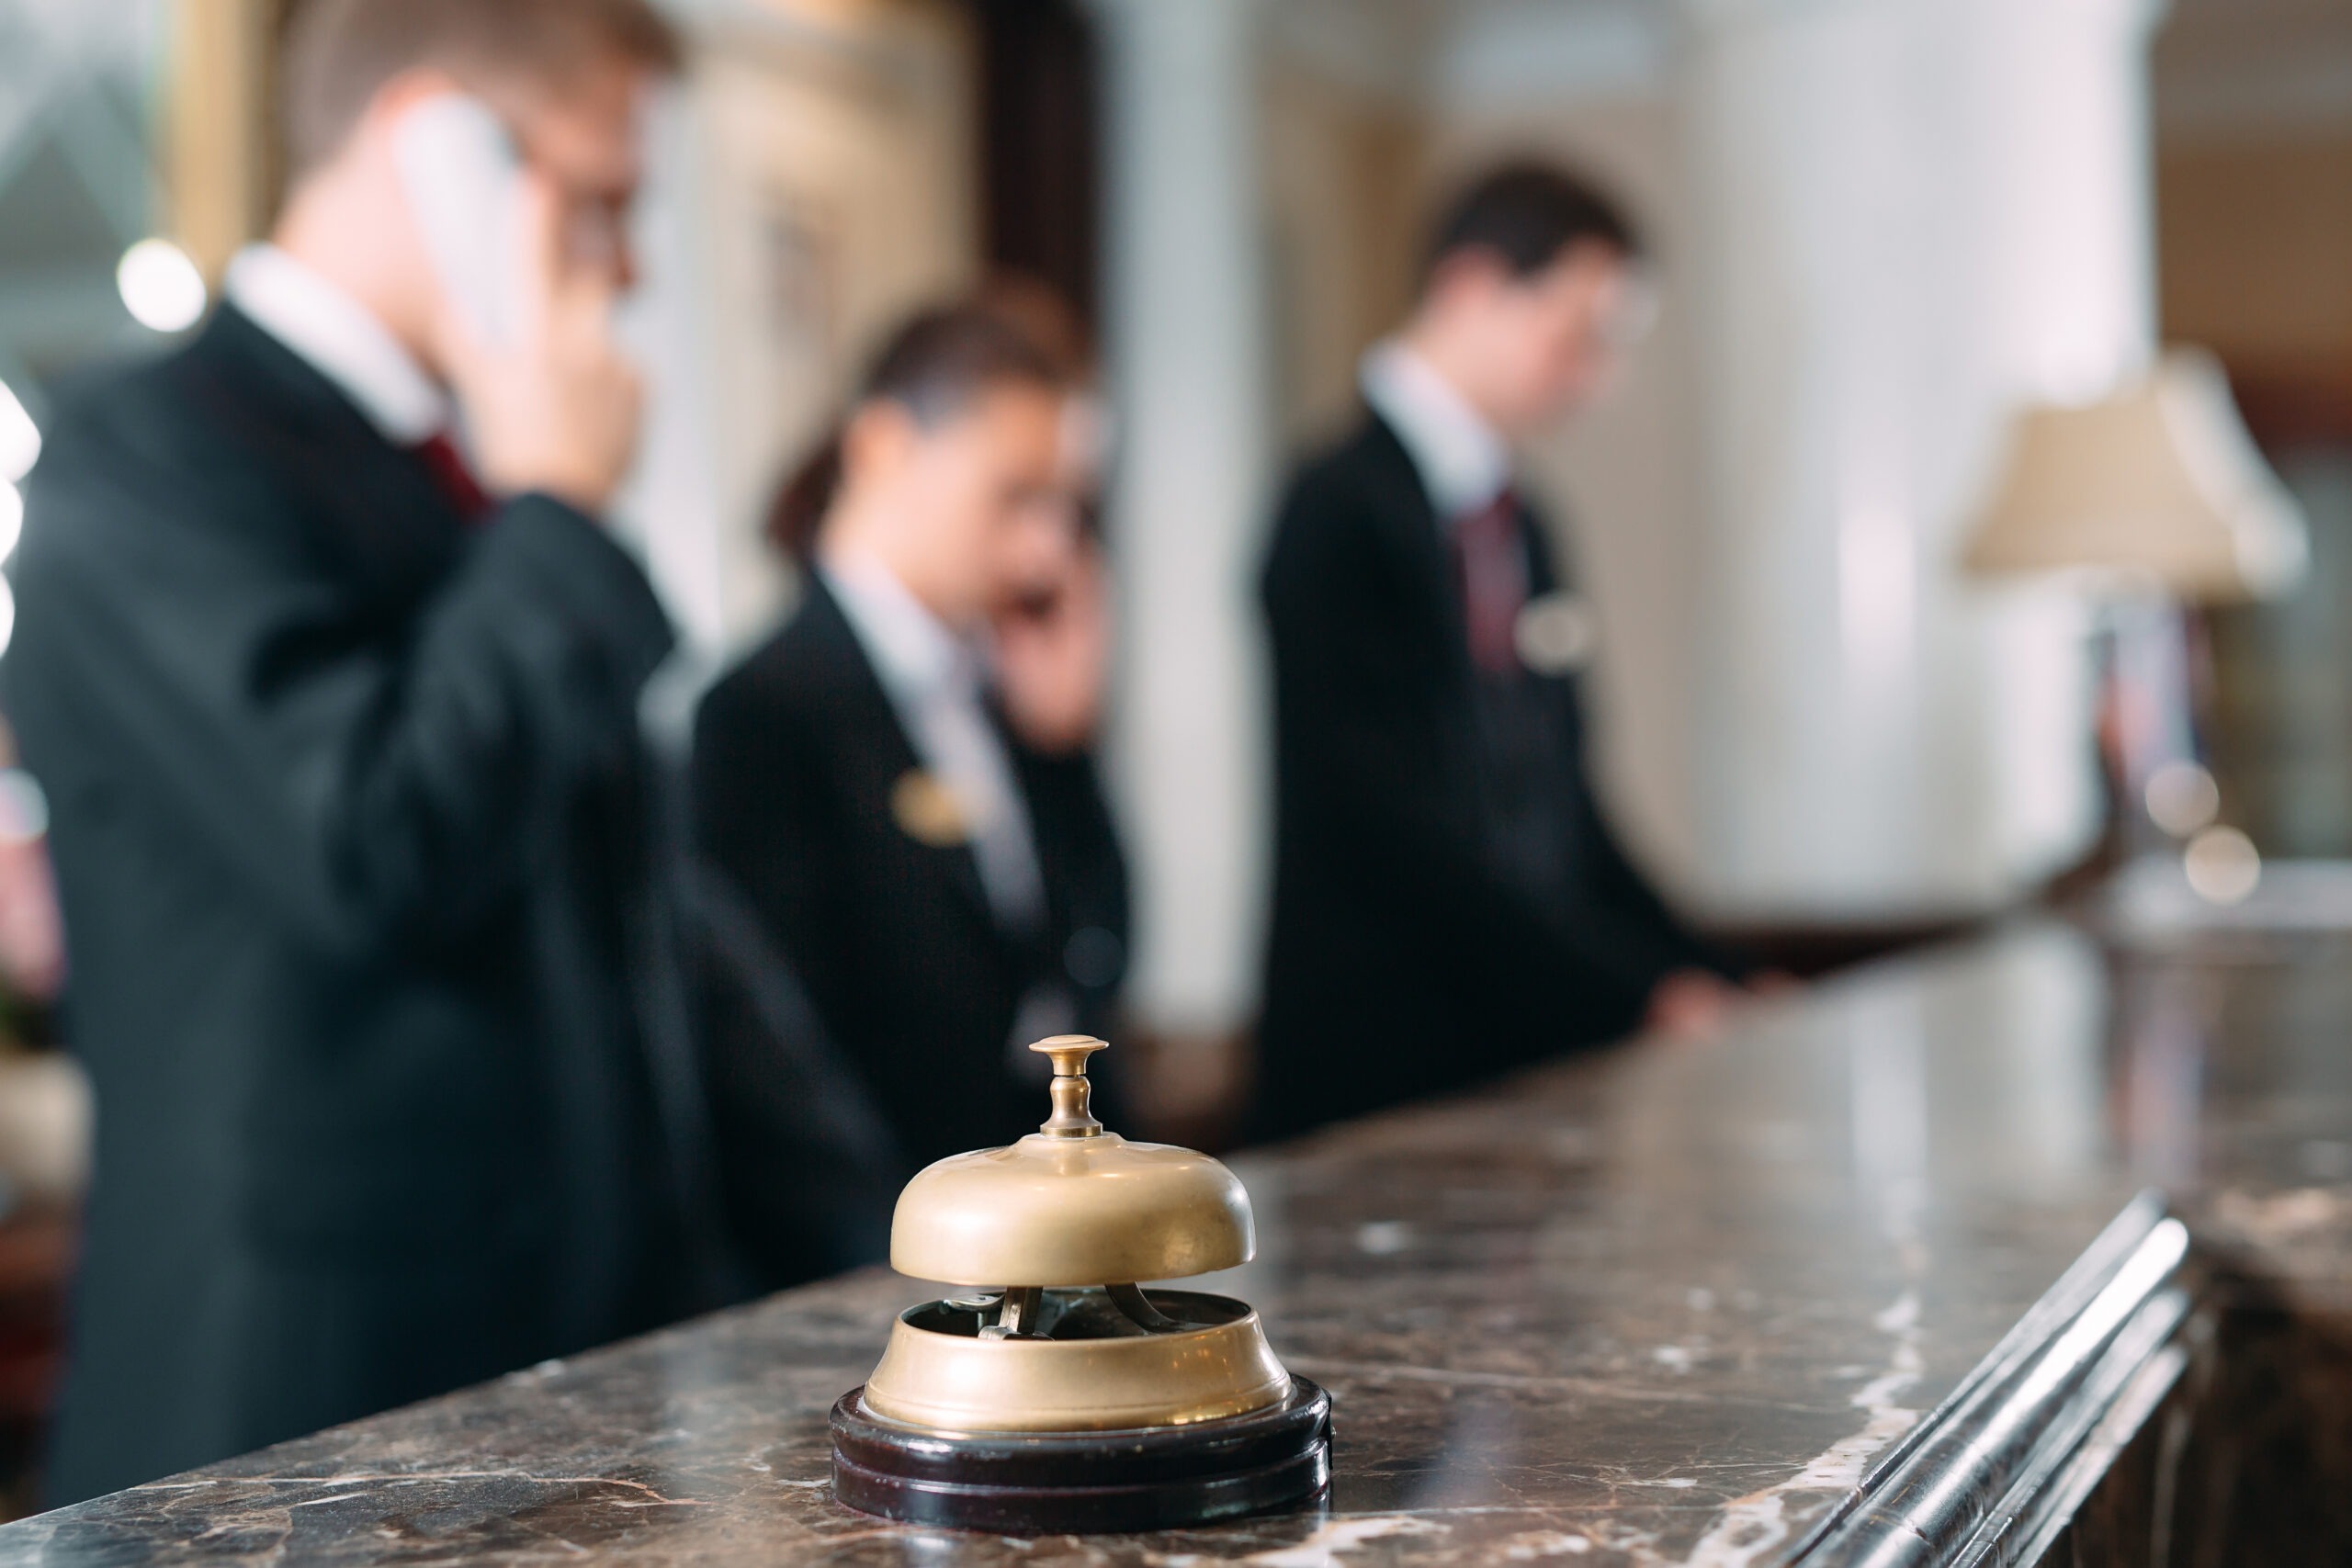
[
  {"x": 1490, "y": 559},
  {"x": 455, "y": 480}
]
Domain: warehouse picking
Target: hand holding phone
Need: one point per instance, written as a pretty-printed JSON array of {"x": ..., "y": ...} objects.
[
  {"x": 524, "y": 335},
  {"x": 463, "y": 177},
  {"x": 1053, "y": 657}
]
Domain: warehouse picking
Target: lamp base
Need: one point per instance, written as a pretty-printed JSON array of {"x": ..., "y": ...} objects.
[{"x": 1084, "y": 1483}]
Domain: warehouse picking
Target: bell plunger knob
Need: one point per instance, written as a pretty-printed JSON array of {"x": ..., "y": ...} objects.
[{"x": 1073, "y": 1114}]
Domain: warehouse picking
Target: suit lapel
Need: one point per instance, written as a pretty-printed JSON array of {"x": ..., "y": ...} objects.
[
  {"x": 1413, "y": 533},
  {"x": 873, "y": 729},
  {"x": 382, "y": 516}
]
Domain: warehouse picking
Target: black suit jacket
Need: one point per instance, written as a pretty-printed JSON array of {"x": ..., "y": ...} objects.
[
  {"x": 797, "y": 757},
  {"x": 345, "y": 818},
  {"x": 1448, "y": 902}
]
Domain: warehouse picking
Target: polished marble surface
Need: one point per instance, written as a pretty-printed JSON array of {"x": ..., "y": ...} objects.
[{"x": 1663, "y": 1304}]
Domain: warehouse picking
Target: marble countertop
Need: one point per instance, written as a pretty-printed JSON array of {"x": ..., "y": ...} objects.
[{"x": 1664, "y": 1304}]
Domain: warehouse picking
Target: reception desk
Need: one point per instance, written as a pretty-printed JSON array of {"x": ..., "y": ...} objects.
[{"x": 2039, "y": 1249}]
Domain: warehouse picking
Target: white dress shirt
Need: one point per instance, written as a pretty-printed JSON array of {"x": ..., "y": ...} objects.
[
  {"x": 1464, "y": 465},
  {"x": 1464, "y": 461},
  {"x": 933, "y": 681},
  {"x": 337, "y": 336}
]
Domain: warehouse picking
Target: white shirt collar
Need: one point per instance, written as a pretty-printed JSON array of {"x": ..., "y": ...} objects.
[
  {"x": 1464, "y": 461},
  {"x": 339, "y": 337},
  {"x": 912, "y": 650}
]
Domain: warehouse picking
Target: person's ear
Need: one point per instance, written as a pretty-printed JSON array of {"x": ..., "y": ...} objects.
[
  {"x": 879, "y": 441},
  {"x": 401, "y": 94},
  {"x": 1468, "y": 275},
  {"x": 1590, "y": 266}
]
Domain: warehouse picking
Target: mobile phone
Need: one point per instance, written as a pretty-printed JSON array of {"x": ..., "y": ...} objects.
[{"x": 463, "y": 176}]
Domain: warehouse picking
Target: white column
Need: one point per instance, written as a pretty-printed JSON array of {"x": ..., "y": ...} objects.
[
  {"x": 1189, "y": 499},
  {"x": 1907, "y": 216}
]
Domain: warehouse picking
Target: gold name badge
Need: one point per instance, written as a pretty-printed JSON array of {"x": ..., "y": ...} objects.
[
  {"x": 1556, "y": 634},
  {"x": 927, "y": 811}
]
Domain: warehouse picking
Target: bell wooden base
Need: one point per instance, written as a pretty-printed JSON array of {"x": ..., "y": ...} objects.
[{"x": 1080, "y": 1482}]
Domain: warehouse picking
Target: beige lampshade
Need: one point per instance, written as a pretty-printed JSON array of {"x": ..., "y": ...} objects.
[{"x": 2158, "y": 482}]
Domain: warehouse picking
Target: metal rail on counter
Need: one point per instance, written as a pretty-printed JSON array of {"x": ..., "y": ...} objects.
[{"x": 2002, "y": 1465}]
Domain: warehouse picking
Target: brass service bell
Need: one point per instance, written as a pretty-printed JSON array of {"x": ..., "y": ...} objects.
[{"x": 1053, "y": 1394}]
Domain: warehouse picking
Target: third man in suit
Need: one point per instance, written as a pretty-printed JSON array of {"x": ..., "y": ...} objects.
[{"x": 1450, "y": 900}]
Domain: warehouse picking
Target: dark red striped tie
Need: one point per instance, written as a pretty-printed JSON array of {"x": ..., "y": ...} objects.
[
  {"x": 455, "y": 479},
  {"x": 1490, "y": 559}
]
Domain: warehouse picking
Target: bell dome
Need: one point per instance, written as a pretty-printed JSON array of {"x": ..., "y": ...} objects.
[{"x": 1072, "y": 1204}]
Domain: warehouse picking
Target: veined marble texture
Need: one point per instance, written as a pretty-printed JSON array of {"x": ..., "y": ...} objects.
[{"x": 1661, "y": 1304}]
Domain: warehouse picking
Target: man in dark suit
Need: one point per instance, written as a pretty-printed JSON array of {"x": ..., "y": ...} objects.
[
  {"x": 1448, "y": 900},
  {"x": 899, "y": 782},
  {"x": 339, "y": 730}
]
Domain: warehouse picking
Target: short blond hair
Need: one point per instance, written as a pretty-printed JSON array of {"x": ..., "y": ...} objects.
[{"x": 340, "y": 53}]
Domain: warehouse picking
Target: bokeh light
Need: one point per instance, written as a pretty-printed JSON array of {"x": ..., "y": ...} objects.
[
  {"x": 2182, "y": 799},
  {"x": 12, "y": 518},
  {"x": 20, "y": 438},
  {"x": 161, "y": 287},
  {"x": 2222, "y": 866}
]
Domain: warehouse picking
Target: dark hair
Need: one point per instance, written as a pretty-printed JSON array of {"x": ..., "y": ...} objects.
[
  {"x": 1044, "y": 316},
  {"x": 935, "y": 367},
  {"x": 1527, "y": 214},
  {"x": 340, "y": 53}
]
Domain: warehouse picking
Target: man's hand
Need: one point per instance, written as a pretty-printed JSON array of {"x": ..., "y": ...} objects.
[
  {"x": 557, "y": 409},
  {"x": 1692, "y": 1004}
]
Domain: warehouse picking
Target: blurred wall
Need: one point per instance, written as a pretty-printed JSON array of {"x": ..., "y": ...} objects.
[
  {"x": 1909, "y": 220},
  {"x": 2254, "y": 112},
  {"x": 2256, "y": 225},
  {"x": 1344, "y": 172},
  {"x": 78, "y": 179},
  {"x": 1188, "y": 333},
  {"x": 2254, "y": 116},
  {"x": 815, "y": 178},
  {"x": 219, "y": 145}
]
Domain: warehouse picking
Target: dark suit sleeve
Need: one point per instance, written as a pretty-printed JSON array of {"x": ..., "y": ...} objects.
[
  {"x": 808, "y": 1163},
  {"x": 1647, "y": 934},
  {"x": 382, "y": 777},
  {"x": 1086, "y": 870},
  {"x": 811, "y": 1164},
  {"x": 1366, "y": 737},
  {"x": 763, "y": 820},
  {"x": 1646, "y": 920}
]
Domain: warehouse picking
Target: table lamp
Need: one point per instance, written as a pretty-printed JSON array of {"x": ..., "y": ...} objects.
[
  {"x": 2158, "y": 486},
  {"x": 2157, "y": 497}
]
